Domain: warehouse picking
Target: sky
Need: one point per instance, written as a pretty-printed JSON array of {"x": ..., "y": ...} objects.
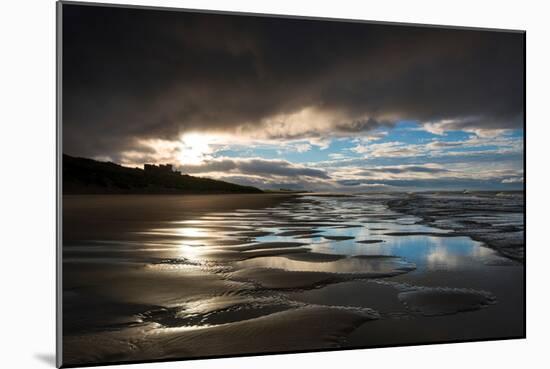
[{"x": 293, "y": 103}]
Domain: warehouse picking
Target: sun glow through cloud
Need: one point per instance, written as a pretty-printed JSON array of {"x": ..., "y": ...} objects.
[
  {"x": 405, "y": 156},
  {"x": 195, "y": 148}
]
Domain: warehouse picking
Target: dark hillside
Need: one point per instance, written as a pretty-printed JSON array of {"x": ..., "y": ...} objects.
[{"x": 87, "y": 176}]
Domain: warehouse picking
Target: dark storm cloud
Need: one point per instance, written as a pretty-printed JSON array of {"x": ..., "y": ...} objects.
[
  {"x": 269, "y": 184},
  {"x": 254, "y": 166},
  {"x": 445, "y": 144},
  {"x": 131, "y": 74},
  {"x": 404, "y": 169},
  {"x": 437, "y": 183}
]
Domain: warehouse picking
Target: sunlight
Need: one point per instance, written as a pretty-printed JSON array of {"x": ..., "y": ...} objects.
[
  {"x": 190, "y": 252},
  {"x": 192, "y": 232},
  {"x": 195, "y": 148}
]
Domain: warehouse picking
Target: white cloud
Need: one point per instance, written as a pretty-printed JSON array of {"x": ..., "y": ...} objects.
[
  {"x": 389, "y": 149},
  {"x": 466, "y": 124},
  {"x": 302, "y": 147},
  {"x": 513, "y": 180}
]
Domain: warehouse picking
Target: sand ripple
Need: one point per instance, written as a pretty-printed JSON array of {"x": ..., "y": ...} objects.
[{"x": 443, "y": 301}]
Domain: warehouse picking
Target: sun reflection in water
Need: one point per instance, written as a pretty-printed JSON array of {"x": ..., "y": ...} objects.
[
  {"x": 190, "y": 252},
  {"x": 193, "y": 232}
]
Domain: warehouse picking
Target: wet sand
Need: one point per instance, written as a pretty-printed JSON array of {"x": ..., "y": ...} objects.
[
  {"x": 155, "y": 277},
  {"x": 495, "y": 218}
]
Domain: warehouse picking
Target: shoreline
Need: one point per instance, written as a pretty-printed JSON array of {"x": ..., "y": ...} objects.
[
  {"x": 508, "y": 240},
  {"x": 129, "y": 194}
]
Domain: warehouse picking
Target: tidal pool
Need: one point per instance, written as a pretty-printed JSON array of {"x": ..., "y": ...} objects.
[{"x": 177, "y": 276}]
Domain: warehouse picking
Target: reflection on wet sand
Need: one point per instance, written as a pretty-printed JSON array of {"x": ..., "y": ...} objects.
[
  {"x": 182, "y": 276},
  {"x": 353, "y": 264}
]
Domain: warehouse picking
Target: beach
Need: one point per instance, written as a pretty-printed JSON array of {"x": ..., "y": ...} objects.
[{"x": 151, "y": 277}]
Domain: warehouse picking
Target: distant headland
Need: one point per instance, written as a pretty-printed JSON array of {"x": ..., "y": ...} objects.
[{"x": 88, "y": 176}]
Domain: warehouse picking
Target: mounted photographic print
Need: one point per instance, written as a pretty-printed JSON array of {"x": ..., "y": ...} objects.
[{"x": 241, "y": 184}]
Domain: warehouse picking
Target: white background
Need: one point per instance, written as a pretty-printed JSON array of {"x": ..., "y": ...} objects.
[{"x": 27, "y": 180}]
